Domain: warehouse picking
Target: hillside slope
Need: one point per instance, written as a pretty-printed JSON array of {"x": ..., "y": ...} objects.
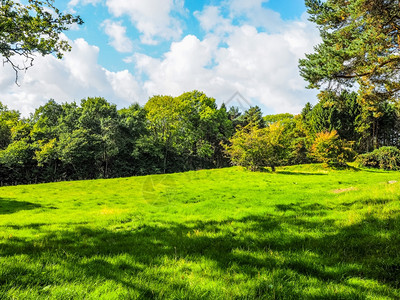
[{"x": 303, "y": 232}]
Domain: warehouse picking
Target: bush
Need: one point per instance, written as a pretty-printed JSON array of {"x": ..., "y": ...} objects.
[
  {"x": 255, "y": 148},
  {"x": 328, "y": 148},
  {"x": 386, "y": 158}
]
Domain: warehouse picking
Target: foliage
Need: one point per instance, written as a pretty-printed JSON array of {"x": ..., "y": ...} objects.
[
  {"x": 254, "y": 117},
  {"x": 303, "y": 232},
  {"x": 17, "y": 153},
  {"x": 300, "y": 139},
  {"x": 360, "y": 48},
  {"x": 270, "y": 119},
  {"x": 95, "y": 140},
  {"x": 332, "y": 112},
  {"x": 344, "y": 114},
  {"x": 254, "y": 148},
  {"x": 235, "y": 115},
  {"x": 8, "y": 118},
  {"x": 190, "y": 128},
  {"x": 347, "y": 53},
  {"x": 32, "y": 28},
  {"x": 330, "y": 149},
  {"x": 386, "y": 158}
]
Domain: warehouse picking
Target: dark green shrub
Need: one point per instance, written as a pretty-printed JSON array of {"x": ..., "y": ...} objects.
[{"x": 386, "y": 158}]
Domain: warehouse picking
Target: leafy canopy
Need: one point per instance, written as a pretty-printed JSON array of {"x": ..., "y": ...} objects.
[
  {"x": 32, "y": 28},
  {"x": 360, "y": 44},
  {"x": 254, "y": 147},
  {"x": 328, "y": 148}
]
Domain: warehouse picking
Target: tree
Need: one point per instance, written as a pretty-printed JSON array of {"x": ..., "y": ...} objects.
[
  {"x": 8, "y": 118},
  {"x": 353, "y": 122},
  {"x": 139, "y": 154},
  {"x": 360, "y": 45},
  {"x": 389, "y": 126},
  {"x": 270, "y": 119},
  {"x": 205, "y": 127},
  {"x": 253, "y": 116},
  {"x": 99, "y": 120},
  {"x": 300, "y": 139},
  {"x": 16, "y": 160},
  {"x": 32, "y": 28},
  {"x": 328, "y": 148},
  {"x": 164, "y": 114},
  {"x": 254, "y": 148},
  {"x": 81, "y": 150},
  {"x": 225, "y": 131},
  {"x": 360, "y": 42},
  {"x": 339, "y": 112}
]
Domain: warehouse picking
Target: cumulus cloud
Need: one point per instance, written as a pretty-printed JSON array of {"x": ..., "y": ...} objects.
[
  {"x": 183, "y": 67},
  {"x": 75, "y": 77},
  {"x": 153, "y": 18},
  {"x": 211, "y": 20},
  {"x": 117, "y": 34},
  {"x": 253, "y": 13},
  {"x": 262, "y": 66},
  {"x": 237, "y": 52}
]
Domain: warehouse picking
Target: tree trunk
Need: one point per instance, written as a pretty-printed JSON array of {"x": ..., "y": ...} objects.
[
  {"x": 375, "y": 134},
  {"x": 165, "y": 159},
  {"x": 55, "y": 170}
]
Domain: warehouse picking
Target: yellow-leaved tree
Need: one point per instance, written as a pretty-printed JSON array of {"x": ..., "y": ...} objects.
[{"x": 328, "y": 148}]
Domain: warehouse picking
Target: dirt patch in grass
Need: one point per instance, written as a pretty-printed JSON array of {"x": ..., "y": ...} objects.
[{"x": 338, "y": 191}]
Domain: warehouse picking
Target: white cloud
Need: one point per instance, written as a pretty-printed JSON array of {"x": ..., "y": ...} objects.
[
  {"x": 125, "y": 86},
  {"x": 183, "y": 68},
  {"x": 253, "y": 13},
  {"x": 260, "y": 65},
  {"x": 75, "y": 77},
  {"x": 211, "y": 20},
  {"x": 151, "y": 17},
  {"x": 73, "y": 3},
  {"x": 251, "y": 57},
  {"x": 117, "y": 34}
]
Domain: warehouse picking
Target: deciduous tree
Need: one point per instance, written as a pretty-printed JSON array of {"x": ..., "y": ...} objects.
[
  {"x": 254, "y": 148},
  {"x": 32, "y": 28},
  {"x": 328, "y": 148}
]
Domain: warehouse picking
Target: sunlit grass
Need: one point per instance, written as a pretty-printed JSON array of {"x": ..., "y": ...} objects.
[{"x": 303, "y": 232}]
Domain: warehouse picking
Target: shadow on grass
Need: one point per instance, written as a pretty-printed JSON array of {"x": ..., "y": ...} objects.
[
  {"x": 375, "y": 170},
  {"x": 344, "y": 167},
  {"x": 300, "y": 173},
  {"x": 310, "y": 210},
  {"x": 327, "y": 254},
  {"x": 10, "y": 206}
]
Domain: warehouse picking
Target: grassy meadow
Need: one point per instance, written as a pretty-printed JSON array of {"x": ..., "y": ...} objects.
[{"x": 304, "y": 232}]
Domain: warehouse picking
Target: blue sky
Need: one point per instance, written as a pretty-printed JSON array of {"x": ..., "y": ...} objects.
[
  {"x": 127, "y": 51},
  {"x": 94, "y": 16}
]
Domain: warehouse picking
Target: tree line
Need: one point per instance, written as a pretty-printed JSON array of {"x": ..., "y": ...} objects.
[
  {"x": 334, "y": 131},
  {"x": 171, "y": 134},
  {"x": 94, "y": 139}
]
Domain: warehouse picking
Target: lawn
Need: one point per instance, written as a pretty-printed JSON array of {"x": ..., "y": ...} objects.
[{"x": 304, "y": 232}]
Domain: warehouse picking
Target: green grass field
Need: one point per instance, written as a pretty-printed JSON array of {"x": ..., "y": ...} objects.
[{"x": 301, "y": 233}]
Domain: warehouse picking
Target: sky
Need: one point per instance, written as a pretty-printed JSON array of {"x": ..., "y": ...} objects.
[{"x": 240, "y": 52}]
